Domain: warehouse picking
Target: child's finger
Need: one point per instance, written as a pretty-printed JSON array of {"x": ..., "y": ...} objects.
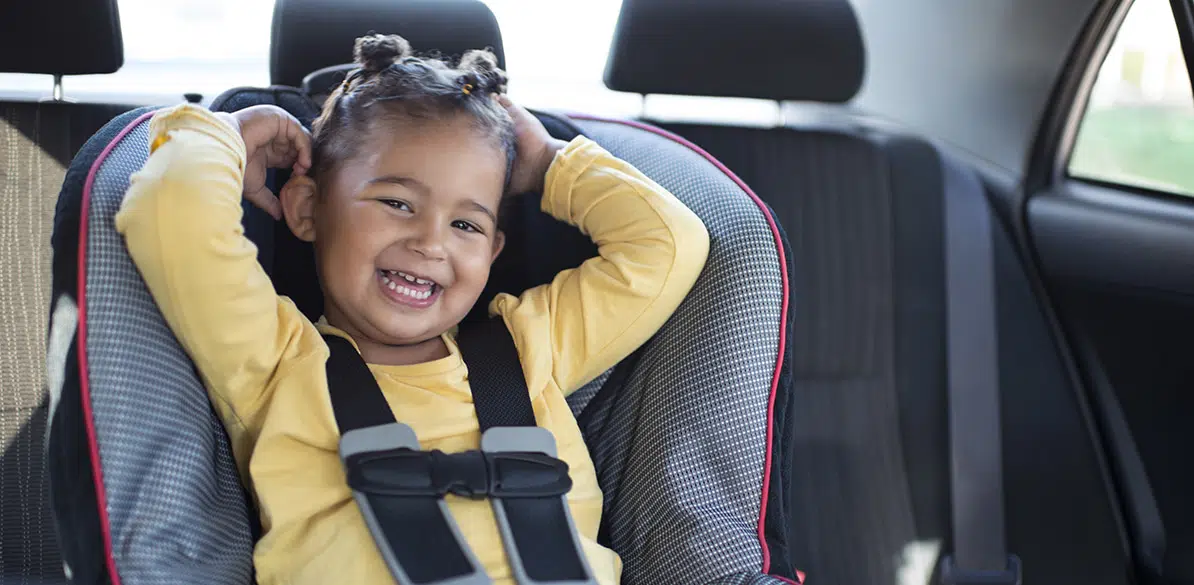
[
  {"x": 302, "y": 163},
  {"x": 267, "y": 201},
  {"x": 516, "y": 111},
  {"x": 299, "y": 143}
]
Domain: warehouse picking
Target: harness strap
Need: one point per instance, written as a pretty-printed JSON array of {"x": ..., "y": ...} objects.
[
  {"x": 357, "y": 400},
  {"x": 538, "y": 532},
  {"x": 400, "y": 488},
  {"x": 500, "y": 394},
  {"x": 414, "y": 533}
]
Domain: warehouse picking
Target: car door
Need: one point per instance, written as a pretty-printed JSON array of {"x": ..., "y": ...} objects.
[{"x": 1108, "y": 213}]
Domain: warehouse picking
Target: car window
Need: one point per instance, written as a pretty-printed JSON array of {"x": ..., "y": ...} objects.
[{"x": 1138, "y": 127}]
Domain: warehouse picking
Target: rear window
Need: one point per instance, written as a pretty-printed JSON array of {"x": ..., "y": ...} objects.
[{"x": 555, "y": 51}]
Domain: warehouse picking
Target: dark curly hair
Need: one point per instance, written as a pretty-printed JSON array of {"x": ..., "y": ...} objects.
[{"x": 391, "y": 83}]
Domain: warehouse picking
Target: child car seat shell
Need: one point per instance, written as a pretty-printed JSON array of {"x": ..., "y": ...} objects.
[
  {"x": 171, "y": 507},
  {"x": 685, "y": 448},
  {"x": 689, "y": 436}
]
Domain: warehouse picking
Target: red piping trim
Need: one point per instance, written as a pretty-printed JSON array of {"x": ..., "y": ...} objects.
[
  {"x": 783, "y": 325},
  {"x": 84, "y": 382}
]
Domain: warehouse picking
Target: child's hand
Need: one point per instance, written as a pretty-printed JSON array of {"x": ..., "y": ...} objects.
[
  {"x": 273, "y": 139},
  {"x": 536, "y": 149}
]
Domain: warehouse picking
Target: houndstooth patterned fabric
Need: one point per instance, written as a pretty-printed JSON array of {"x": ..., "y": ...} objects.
[
  {"x": 746, "y": 579},
  {"x": 681, "y": 452},
  {"x": 578, "y": 400},
  {"x": 176, "y": 506}
]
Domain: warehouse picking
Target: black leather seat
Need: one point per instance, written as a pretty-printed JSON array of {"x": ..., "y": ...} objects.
[{"x": 863, "y": 209}]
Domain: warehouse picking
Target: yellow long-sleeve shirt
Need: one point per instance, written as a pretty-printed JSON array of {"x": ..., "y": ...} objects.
[{"x": 263, "y": 361}]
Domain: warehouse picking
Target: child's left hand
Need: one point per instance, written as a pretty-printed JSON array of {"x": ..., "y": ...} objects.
[
  {"x": 536, "y": 149},
  {"x": 273, "y": 139}
]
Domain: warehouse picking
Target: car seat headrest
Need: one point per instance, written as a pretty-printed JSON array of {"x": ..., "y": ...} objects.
[
  {"x": 310, "y": 35},
  {"x": 61, "y": 37},
  {"x": 800, "y": 50}
]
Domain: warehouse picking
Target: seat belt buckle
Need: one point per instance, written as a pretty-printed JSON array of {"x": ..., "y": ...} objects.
[
  {"x": 399, "y": 469},
  {"x": 517, "y": 468},
  {"x": 951, "y": 574}
]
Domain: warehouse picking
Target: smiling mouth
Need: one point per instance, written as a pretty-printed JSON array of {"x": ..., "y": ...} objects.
[{"x": 408, "y": 285}]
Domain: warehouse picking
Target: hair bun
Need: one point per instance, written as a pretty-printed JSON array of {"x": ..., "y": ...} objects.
[
  {"x": 478, "y": 61},
  {"x": 480, "y": 69},
  {"x": 375, "y": 52}
]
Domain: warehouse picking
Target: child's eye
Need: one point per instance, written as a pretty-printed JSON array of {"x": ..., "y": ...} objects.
[
  {"x": 396, "y": 204},
  {"x": 466, "y": 226}
]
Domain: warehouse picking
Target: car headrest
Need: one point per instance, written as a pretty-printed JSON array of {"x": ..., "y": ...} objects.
[
  {"x": 61, "y": 37},
  {"x": 795, "y": 50},
  {"x": 309, "y": 35}
]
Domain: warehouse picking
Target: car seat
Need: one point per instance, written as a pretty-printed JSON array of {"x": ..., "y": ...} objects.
[{"x": 689, "y": 435}]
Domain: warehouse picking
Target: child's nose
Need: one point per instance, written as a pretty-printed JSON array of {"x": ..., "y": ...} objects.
[{"x": 428, "y": 241}]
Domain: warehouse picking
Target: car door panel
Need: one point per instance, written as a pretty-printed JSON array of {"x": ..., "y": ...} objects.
[{"x": 1110, "y": 225}]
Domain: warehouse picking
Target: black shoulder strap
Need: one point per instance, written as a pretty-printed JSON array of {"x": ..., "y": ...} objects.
[
  {"x": 500, "y": 393},
  {"x": 416, "y": 530},
  {"x": 972, "y": 343},
  {"x": 357, "y": 400},
  {"x": 544, "y": 540}
]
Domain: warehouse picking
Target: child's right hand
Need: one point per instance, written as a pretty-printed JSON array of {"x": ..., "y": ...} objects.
[{"x": 273, "y": 139}]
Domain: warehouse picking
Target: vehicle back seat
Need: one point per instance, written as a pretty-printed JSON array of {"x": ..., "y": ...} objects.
[
  {"x": 37, "y": 142},
  {"x": 863, "y": 210}
]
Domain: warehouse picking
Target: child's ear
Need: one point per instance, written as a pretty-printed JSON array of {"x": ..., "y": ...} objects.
[
  {"x": 298, "y": 207},
  {"x": 499, "y": 242}
]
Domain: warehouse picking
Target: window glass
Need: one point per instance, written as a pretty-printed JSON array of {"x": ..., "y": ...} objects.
[{"x": 1138, "y": 128}]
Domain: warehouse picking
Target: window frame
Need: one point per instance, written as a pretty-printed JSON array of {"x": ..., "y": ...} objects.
[
  {"x": 1183, "y": 18},
  {"x": 1182, "y": 12}
]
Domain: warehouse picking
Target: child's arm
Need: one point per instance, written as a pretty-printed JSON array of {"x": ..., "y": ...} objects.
[
  {"x": 181, "y": 220},
  {"x": 651, "y": 250}
]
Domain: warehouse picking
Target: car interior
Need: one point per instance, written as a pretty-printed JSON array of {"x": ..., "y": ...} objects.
[{"x": 1070, "y": 121}]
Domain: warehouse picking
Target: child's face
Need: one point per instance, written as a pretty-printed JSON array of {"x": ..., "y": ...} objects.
[{"x": 419, "y": 204}]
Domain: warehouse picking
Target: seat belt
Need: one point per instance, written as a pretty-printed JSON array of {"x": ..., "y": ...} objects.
[
  {"x": 400, "y": 489},
  {"x": 979, "y": 548}
]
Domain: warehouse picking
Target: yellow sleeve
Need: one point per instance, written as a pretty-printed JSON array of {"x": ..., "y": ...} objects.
[
  {"x": 651, "y": 250},
  {"x": 181, "y": 220}
]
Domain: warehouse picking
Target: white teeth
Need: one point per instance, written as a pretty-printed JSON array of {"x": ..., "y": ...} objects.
[
  {"x": 417, "y": 295},
  {"x": 414, "y": 294},
  {"x": 410, "y": 278}
]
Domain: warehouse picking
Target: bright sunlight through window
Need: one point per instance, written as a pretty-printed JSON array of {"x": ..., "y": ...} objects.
[{"x": 1138, "y": 129}]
